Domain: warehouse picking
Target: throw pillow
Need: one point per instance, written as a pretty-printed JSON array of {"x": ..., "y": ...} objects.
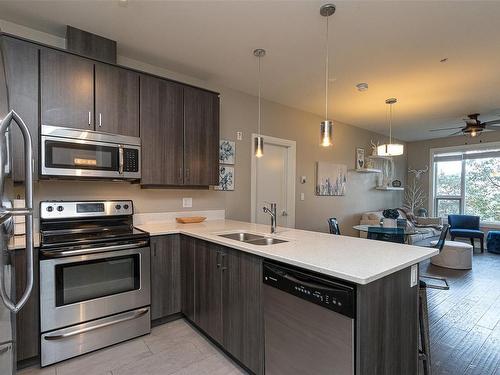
[{"x": 391, "y": 213}]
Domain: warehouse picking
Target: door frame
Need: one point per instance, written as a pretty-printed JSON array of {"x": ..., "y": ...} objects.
[{"x": 291, "y": 173}]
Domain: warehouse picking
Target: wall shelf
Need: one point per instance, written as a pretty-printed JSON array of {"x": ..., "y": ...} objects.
[
  {"x": 389, "y": 188},
  {"x": 367, "y": 170},
  {"x": 379, "y": 157}
]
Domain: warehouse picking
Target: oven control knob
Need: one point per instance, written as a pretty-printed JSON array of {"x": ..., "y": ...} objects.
[
  {"x": 60, "y": 208},
  {"x": 50, "y": 209},
  {"x": 125, "y": 206},
  {"x": 118, "y": 206}
]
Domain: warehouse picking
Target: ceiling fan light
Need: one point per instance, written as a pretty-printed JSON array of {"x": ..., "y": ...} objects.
[
  {"x": 259, "y": 146},
  {"x": 390, "y": 149}
]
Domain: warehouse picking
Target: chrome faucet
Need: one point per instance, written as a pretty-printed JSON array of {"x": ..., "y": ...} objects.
[{"x": 272, "y": 212}]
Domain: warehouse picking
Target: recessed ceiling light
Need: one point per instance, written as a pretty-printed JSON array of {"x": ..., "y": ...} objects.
[
  {"x": 123, "y": 3},
  {"x": 443, "y": 60},
  {"x": 362, "y": 86}
]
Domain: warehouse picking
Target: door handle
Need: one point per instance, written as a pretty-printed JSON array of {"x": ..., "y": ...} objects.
[
  {"x": 27, "y": 211},
  {"x": 120, "y": 159},
  {"x": 133, "y": 315}
]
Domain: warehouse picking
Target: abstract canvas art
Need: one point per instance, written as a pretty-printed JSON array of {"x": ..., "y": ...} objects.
[
  {"x": 227, "y": 151},
  {"x": 331, "y": 179},
  {"x": 226, "y": 178}
]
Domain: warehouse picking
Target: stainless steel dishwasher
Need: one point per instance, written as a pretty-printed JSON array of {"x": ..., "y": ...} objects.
[{"x": 309, "y": 323}]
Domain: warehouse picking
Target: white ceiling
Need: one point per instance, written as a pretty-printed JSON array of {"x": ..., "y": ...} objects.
[{"x": 394, "y": 46}]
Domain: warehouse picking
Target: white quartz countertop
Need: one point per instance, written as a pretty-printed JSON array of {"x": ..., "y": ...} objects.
[{"x": 353, "y": 259}]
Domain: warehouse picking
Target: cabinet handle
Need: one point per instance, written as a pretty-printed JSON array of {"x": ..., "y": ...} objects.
[
  {"x": 223, "y": 268},
  {"x": 180, "y": 174},
  {"x": 187, "y": 174},
  {"x": 218, "y": 259},
  {"x": 100, "y": 119},
  {"x": 154, "y": 249},
  {"x": 90, "y": 118}
]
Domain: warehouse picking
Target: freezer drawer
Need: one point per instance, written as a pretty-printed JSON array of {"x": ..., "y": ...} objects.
[{"x": 83, "y": 338}]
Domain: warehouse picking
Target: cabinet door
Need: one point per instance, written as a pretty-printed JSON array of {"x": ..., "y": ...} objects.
[
  {"x": 187, "y": 276},
  {"x": 22, "y": 78},
  {"x": 201, "y": 137},
  {"x": 67, "y": 90},
  {"x": 161, "y": 132},
  {"x": 28, "y": 318},
  {"x": 165, "y": 276},
  {"x": 208, "y": 296},
  {"x": 116, "y": 100},
  {"x": 242, "y": 308}
]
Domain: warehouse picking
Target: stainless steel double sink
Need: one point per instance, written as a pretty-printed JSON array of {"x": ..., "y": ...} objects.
[{"x": 253, "y": 239}]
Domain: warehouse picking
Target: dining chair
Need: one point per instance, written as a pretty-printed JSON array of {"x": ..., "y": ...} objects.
[
  {"x": 334, "y": 226},
  {"x": 423, "y": 311},
  {"x": 396, "y": 235}
]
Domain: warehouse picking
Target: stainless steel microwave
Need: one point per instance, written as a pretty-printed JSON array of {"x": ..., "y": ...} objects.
[{"x": 67, "y": 152}]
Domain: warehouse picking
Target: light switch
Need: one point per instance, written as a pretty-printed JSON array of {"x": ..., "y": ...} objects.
[
  {"x": 302, "y": 196},
  {"x": 239, "y": 136},
  {"x": 187, "y": 202}
]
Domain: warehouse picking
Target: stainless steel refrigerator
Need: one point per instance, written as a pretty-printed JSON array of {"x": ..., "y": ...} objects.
[{"x": 10, "y": 304}]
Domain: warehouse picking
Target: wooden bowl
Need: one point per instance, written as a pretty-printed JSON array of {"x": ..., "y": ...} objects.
[{"x": 190, "y": 219}]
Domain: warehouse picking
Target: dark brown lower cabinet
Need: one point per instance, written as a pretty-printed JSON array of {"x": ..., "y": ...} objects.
[
  {"x": 165, "y": 276},
  {"x": 28, "y": 318},
  {"x": 208, "y": 289},
  {"x": 222, "y": 296},
  {"x": 187, "y": 276},
  {"x": 243, "y": 329}
]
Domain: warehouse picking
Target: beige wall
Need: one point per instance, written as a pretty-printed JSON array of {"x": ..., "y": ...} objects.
[{"x": 239, "y": 113}]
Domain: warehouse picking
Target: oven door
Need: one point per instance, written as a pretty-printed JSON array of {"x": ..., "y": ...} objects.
[
  {"x": 79, "y": 158},
  {"x": 77, "y": 289}
]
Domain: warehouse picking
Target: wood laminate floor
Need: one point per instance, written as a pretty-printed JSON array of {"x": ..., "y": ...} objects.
[
  {"x": 174, "y": 348},
  {"x": 464, "y": 321}
]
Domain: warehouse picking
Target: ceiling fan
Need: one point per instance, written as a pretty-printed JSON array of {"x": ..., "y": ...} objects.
[{"x": 473, "y": 126}]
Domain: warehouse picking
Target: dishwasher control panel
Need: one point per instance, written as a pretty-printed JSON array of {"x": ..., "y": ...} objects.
[{"x": 330, "y": 294}]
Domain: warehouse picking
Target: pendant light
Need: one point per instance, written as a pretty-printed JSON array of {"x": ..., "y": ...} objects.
[
  {"x": 390, "y": 149},
  {"x": 259, "y": 140},
  {"x": 326, "y": 130}
]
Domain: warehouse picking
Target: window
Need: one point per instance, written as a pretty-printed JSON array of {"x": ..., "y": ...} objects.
[{"x": 467, "y": 181}]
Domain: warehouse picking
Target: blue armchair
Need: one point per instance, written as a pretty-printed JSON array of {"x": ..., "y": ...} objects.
[{"x": 466, "y": 226}]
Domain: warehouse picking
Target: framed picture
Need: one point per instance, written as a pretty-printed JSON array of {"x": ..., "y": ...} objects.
[
  {"x": 227, "y": 151},
  {"x": 360, "y": 158},
  {"x": 331, "y": 179},
  {"x": 226, "y": 178}
]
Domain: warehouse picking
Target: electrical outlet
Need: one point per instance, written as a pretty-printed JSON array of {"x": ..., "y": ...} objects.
[
  {"x": 187, "y": 202},
  {"x": 414, "y": 275},
  {"x": 239, "y": 136}
]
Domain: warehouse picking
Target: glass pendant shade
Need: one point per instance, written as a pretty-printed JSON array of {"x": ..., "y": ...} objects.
[
  {"x": 390, "y": 149},
  {"x": 326, "y": 135},
  {"x": 259, "y": 146}
]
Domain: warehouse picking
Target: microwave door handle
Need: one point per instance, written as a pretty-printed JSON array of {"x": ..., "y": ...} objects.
[
  {"x": 120, "y": 159},
  {"x": 27, "y": 211}
]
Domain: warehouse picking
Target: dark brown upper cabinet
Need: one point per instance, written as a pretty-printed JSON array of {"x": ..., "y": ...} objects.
[
  {"x": 67, "y": 90},
  {"x": 22, "y": 78},
  {"x": 78, "y": 93},
  {"x": 179, "y": 133},
  {"x": 161, "y": 132},
  {"x": 201, "y": 137},
  {"x": 116, "y": 100}
]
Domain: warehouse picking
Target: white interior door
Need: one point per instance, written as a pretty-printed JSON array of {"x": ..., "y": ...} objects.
[{"x": 273, "y": 180}]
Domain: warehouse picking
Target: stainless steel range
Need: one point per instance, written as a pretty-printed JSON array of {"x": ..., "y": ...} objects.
[{"x": 94, "y": 277}]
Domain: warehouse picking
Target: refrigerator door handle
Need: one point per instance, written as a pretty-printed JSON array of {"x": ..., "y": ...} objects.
[{"x": 27, "y": 211}]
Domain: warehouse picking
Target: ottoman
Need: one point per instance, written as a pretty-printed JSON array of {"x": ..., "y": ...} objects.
[
  {"x": 455, "y": 254},
  {"x": 493, "y": 241}
]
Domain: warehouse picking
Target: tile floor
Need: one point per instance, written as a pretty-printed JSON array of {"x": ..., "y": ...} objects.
[{"x": 172, "y": 348}]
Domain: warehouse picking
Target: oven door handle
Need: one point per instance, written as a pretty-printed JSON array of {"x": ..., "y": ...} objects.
[
  {"x": 131, "y": 316},
  {"x": 59, "y": 254}
]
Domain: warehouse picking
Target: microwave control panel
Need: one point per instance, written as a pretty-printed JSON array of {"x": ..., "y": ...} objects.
[{"x": 130, "y": 160}]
